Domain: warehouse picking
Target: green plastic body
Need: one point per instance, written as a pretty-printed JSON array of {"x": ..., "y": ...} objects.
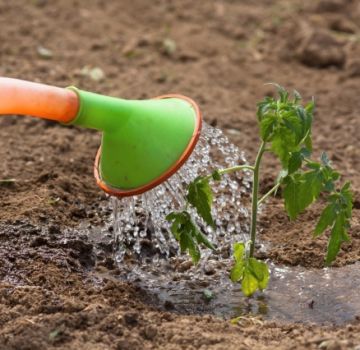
[{"x": 141, "y": 140}]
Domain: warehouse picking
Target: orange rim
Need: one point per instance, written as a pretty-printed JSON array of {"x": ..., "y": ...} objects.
[{"x": 186, "y": 154}]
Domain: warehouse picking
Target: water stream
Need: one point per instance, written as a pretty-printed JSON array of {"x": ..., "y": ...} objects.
[
  {"x": 140, "y": 220},
  {"x": 147, "y": 254}
]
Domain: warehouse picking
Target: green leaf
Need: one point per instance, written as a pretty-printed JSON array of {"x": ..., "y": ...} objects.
[
  {"x": 327, "y": 218},
  {"x": 252, "y": 273},
  {"x": 283, "y": 142},
  {"x": 283, "y": 94},
  {"x": 325, "y": 159},
  {"x": 237, "y": 271},
  {"x": 216, "y": 175},
  {"x": 302, "y": 189},
  {"x": 187, "y": 234},
  {"x": 336, "y": 215},
  {"x": 187, "y": 243},
  {"x": 310, "y": 107},
  {"x": 295, "y": 162},
  {"x": 296, "y": 125},
  {"x": 200, "y": 196},
  {"x": 267, "y": 126},
  {"x": 297, "y": 96},
  {"x": 286, "y": 124},
  {"x": 260, "y": 271},
  {"x": 291, "y": 195},
  {"x": 308, "y": 142},
  {"x": 264, "y": 107},
  {"x": 239, "y": 250},
  {"x": 249, "y": 284},
  {"x": 201, "y": 238},
  {"x": 338, "y": 235}
]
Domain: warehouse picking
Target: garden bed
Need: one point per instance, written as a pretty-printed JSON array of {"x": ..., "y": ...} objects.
[{"x": 56, "y": 289}]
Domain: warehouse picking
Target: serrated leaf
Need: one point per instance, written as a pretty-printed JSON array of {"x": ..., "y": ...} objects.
[
  {"x": 327, "y": 218},
  {"x": 187, "y": 243},
  {"x": 187, "y": 234},
  {"x": 296, "y": 125},
  {"x": 286, "y": 124},
  {"x": 249, "y": 284},
  {"x": 239, "y": 250},
  {"x": 290, "y": 195},
  {"x": 201, "y": 238},
  {"x": 295, "y": 162},
  {"x": 264, "y": 107},
  {"x": 305, "y": 152},
  {"x": 308, "y": 142},
  {"x": 283, "y": 94},
  {"x": 337, "y": 236},
  {"x": 301, "y": 190},
  {"x": 267, "y": 126},
  {"x": 261, "y": 272},
  {"x": 282, "y": 144},
  {"x": 325, "y": 159},
  {"x": 310, "y": 107},
  {"x": 297, "y": 96},
  {"x": 237, "y": 271},
  {"x": 200, "y": 196},
  {"x": 252, "y": 273},
  {"x": 346, "y": 199}
]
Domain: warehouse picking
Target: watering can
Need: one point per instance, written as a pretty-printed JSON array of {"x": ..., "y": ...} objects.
[{"x": 143, "y": 143}]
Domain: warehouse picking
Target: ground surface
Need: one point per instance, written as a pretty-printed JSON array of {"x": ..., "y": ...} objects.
[{"x": 225, "y": 51}]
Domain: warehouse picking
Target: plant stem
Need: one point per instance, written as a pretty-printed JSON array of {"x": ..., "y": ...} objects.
[
  {"x": 255, "y": 192},
  {"x": 232, "y": 169},
  {"x": 236, "y": 168},
  {"x": 262, "y": 199}
]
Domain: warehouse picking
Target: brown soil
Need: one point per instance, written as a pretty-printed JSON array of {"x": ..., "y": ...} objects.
[{"x": 225, "y": 52}]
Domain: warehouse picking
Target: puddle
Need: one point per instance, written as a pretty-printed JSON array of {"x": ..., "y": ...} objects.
[{"x": 295, "y": 294}]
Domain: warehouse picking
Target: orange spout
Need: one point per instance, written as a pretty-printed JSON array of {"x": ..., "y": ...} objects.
[{"x": 38, "y": 100}]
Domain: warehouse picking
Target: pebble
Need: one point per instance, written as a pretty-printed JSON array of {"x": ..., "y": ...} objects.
[
  {"x": 186, "y": 265},
  {"x": 209, "y": 269},
  {"x": 330, "y": 345}
]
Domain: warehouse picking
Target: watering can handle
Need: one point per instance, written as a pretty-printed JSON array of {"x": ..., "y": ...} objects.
[{"x": 38, "y": 100}]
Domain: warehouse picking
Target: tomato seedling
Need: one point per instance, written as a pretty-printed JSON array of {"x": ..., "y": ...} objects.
[{"x": 285, "y": 130}]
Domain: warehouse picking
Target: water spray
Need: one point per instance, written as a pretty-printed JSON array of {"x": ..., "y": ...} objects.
[{"x": 150, "y": 151}]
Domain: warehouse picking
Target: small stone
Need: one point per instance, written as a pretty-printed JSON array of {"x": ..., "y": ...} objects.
[
  {"x": 330, "y": 345},
  {"x": 209, "y": 269},
  {"x": 44, "y": 52},
  {"x": 150, "y": 332},
  {"x": 168, "y": 46},
  {"x": 186, "y": 265},
  {"x": 95, "y": 73}
]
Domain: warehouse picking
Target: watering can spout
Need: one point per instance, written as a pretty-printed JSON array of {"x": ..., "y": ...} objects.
[{"x": 143, "y": 142}]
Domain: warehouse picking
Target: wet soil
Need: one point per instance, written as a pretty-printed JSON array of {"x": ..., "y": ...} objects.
[{"x": 218, "y": 52}]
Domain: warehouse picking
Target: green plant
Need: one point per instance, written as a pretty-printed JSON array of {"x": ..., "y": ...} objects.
[{"x": 285, "y": 130}]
